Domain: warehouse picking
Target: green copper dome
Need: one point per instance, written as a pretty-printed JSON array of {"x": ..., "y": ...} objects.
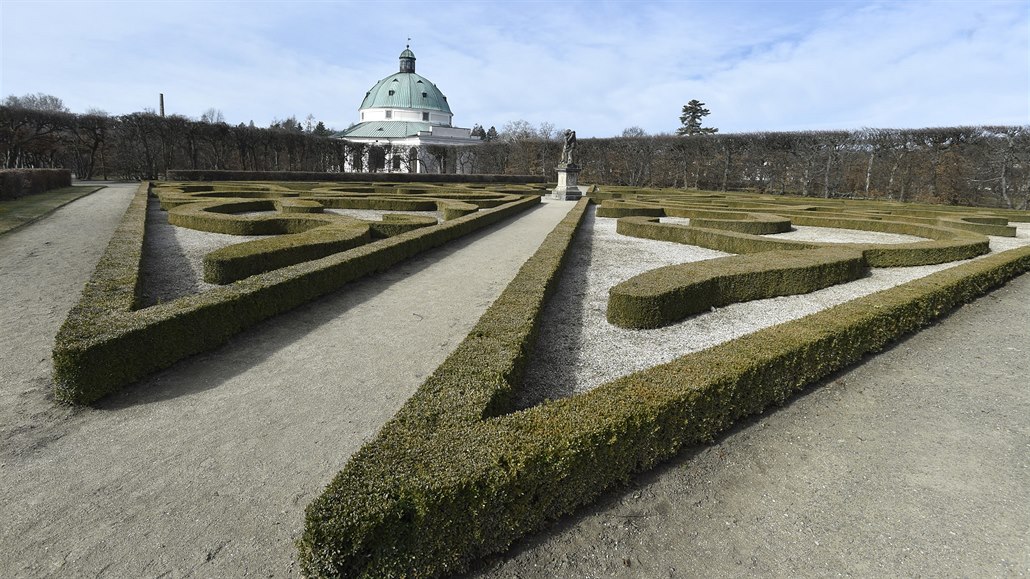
[{"x": 405, "y": 90}]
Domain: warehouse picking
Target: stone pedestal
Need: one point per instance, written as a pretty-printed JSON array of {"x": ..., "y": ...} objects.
[{"x": 567, "y": 189}]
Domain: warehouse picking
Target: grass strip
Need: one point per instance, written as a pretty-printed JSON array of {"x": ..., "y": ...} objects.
[{"x": 17, "y": 213}]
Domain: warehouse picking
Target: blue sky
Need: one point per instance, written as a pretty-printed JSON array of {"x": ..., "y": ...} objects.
[{"x": 597, "y": 67}]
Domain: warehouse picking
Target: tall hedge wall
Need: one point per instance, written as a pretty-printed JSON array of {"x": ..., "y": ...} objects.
[
  {"x": 16, "y": 183},
  {"x": 211, "y": 175}
]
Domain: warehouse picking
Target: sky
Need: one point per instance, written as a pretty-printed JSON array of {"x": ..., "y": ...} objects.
[{"x": 596, "y": 67}]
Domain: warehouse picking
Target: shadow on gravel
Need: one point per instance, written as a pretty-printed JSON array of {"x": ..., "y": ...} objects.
[
  {"x": 165, "y": 271},
  {"x": 209, "y": 370},
  {"x": 551, "y": 371}
]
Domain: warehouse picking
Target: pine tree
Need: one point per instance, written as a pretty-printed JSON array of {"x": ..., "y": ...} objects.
[
  {"x": 691, "y": 119},
  {"x": 477, "y": 131},
  {"x": 491, "y": 135}
]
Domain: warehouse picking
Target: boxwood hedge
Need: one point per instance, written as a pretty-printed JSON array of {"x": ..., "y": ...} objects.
[{"x": 667, "y": 295}]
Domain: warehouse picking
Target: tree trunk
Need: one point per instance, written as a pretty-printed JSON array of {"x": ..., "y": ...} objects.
[
  {"x": 726, "y": 169},
  {"x": 826, "y": 176},
  {"x": 869, "y": 173}
]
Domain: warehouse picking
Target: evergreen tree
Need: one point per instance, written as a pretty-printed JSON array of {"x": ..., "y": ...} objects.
[
  {"x": 691, "y": 119},
  {"x": 491, "y": 135},
  {"x": 477, "y": 131}
]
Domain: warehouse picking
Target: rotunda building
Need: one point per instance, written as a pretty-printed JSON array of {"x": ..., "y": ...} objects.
[{"x": 401, "y": 118}]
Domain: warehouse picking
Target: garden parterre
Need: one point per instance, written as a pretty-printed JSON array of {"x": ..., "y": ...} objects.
[
  {"x": 463, "y": 469},
  {"x": 109, "y": 341}
]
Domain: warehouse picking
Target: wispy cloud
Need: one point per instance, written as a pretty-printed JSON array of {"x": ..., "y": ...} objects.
[{"x": 597, "y": 67}]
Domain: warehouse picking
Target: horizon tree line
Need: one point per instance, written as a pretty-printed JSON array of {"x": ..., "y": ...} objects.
[{"x": 974, "y": 165}]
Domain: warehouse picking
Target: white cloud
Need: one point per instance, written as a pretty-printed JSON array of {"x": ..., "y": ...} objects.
[{"x": 597, "y": 67}]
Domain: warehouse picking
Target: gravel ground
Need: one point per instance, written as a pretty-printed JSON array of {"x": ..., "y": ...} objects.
[
  {"x": 577, "y": 349},
  {"x": 377, "y": 215},
  {"x": 913, "y": 463},
  {"x": 173, "y": 257}
]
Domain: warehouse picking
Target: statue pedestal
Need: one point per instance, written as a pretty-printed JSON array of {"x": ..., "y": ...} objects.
[{"x": 567, "y": 189}]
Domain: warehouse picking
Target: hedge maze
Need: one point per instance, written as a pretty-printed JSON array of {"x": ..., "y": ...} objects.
[
  {"x": 768, "y": 267},
  {"x": 460, "y": 472},
  {"x": 109, "y": 340}
]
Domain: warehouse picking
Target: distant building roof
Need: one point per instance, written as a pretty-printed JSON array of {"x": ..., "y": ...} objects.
[{"x": 384, "y": 130}]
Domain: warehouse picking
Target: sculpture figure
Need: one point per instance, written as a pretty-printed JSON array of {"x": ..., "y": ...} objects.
[{"x": 569, "y": 148}]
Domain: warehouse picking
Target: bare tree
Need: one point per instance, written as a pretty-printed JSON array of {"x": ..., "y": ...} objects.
[
  {"x": 37, "y": 102},
  {"x": 212, "y": 116}
]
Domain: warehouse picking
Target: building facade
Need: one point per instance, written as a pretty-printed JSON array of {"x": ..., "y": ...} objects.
[{"x": 404, "y": 125}]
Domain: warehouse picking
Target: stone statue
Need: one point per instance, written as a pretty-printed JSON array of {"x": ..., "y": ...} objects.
[
  {"x": 569, "y": 148},
  {"x": 568, "y": 171}
]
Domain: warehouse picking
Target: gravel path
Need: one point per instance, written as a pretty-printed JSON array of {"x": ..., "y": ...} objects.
[
  {"x": 173, "y": 257},
  {"x": 205, "y": 469},
  {"x": 377, "y": 215},
  {"x": 43, "y": 267}
]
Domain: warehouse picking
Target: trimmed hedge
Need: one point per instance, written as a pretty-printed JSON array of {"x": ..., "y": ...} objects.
[
  {"x": 204, "y": 175},
  {"x": 15, "y": 183},
  {"x": 947, "y": 244},
  {"x": 248, "y": 258},
  {"x": 221, "y": 216},
  {"x": 304, "y": 231},
  {"x": 105, "y": 343},
  {"x": 667, "y": 295},
  {"x": 242, "y": 260},
  {"x": 986, "y": 225},
  {"x": 627, "y": 209},
  {"x": 454, "y": 476}
]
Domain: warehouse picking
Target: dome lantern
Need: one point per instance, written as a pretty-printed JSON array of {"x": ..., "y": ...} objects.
[{"x": 407, "y": 60}]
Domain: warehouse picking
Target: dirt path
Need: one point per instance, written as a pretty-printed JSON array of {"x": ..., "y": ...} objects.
[
  {"x": 915, "y": 463},
  {"x": 205, "y": 469},
  {"x": 43, "y": 267}
]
